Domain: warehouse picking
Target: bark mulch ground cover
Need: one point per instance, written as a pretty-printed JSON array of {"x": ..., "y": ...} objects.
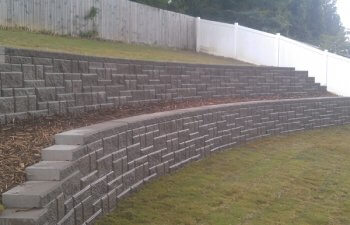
[{"x": 21, "y": 142}]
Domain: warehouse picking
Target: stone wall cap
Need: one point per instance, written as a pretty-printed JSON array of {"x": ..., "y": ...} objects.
[{"x": 81, "y": 134}]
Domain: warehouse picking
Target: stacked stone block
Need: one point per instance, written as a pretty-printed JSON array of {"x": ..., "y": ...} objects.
[
  {"x": 88, "y": 170},
  {"x": 2, "y": 55},
  {"x": 34, "y": 84}
]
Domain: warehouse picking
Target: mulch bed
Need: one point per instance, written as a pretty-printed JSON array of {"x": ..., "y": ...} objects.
[{"x": 21, "y": 142}]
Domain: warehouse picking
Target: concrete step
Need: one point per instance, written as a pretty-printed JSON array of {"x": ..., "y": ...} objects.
[
  {"x": 23, "y": 216},
  {"x": 85, "y": 135},
  {"x": 50, "y": 170},
  {"x": 62, "y": 153},
  {"x": 32, "y": 194}
]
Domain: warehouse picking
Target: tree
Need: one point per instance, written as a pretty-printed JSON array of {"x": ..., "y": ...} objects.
[{"x": 311, "y": 21}]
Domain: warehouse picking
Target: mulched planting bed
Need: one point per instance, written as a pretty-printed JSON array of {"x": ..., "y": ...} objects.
[{"x": 21, "y": 142}]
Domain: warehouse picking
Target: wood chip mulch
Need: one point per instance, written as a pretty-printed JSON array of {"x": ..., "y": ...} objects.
[{"x": 21, "y": 142}]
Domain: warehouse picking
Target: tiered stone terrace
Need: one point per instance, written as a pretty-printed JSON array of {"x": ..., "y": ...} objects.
[
  {"x": 39, "y": 83},
  {"x": 88, "y": 170}
]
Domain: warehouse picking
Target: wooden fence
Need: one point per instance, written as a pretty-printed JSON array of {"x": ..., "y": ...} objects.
[{"x": 119, "y": 20}]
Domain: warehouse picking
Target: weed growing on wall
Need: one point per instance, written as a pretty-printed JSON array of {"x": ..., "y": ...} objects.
[{"x": 90, "y": 16}]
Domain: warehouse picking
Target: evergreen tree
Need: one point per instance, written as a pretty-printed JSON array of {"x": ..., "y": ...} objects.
[{"x": 311, "y": 21}]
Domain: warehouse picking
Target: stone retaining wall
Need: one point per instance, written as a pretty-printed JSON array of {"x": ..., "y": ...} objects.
[
  {"x": 90, "y": 169},
  {"x": 34, "y": 83}
]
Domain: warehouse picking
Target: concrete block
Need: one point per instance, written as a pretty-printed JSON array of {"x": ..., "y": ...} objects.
[
  {"x": 155, "y": 158},
  {"x": 7, "y": 105},
  {"x": 83, "y": 66},
  {"x": 52, "y": 213},
  {"x": 89, "y": 79},
  {"x": 89, "y": 134},
  {"x": 92, "y": 220},
  {"x": 68, "y": 205},
  {"x": 101, "y": 73},
  {"x": 34, "y": 83},
  {"x": 88, "y": 179},
  {"x": 78, "y": 214},
  {"x": 82, "y": 195},
  {"x": 54, "y": 80},
  {"x": 23, "y": 91},
  {"x": 133, "y": 152},
  {"x": 21, "y": 104},
  {"x": 20, "y": 217},
  {"x": 45, "y": 94},
  {"x": 112, "y": 200},
  {"x": 5, "y": 67},
  {"x": 39, "y": 72},
  {"x": 21, "y": 60},
  {"x": 10, "y": 118},
  {"x": 42, "y": 61},
  {"x": 31, "y": 194},
  {"x": 105, "y": 207},
  {"x": 95, "y": 65},
  {"x": 7, "y": 92},
  {"x": 68, "y": 219},
  {"x": 11, "y": 79},
  {"x": 60, "y": 206},
  {"x": 71, "y": 184},
  {"x": 129, "y": 178},
  {"x": 105, "y": 165},
  {"x": 28, "y": 72},
  {"x": 50, "y": 170},
  {"x": 99, "y": 187},
  {"x": 60, "y": 65},
  {"x": 53, "y": 107},
  {"x": 2, "y": 119}
]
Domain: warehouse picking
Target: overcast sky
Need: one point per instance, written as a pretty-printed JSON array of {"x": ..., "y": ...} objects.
[{"x": 344, "y": 12}]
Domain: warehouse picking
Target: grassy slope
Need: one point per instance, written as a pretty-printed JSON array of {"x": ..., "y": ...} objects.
[
  {"x": 23, "y": 39},
  {"x": 298, "y": 179}
]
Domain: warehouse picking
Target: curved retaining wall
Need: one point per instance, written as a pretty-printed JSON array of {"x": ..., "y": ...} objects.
[
  {"x": 89, "y": 169},
  {"x": 34, "y": 84}
]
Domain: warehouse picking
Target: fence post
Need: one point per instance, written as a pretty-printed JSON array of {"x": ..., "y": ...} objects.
[
  {"x": 326, "y": 66},
  {"x": 198, "y": 28},
  {"x": 277, "y": 49},
  {"x": 235, "y": 37}
]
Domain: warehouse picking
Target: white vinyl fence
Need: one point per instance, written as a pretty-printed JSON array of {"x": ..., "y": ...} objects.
[
  {"x": 130, "y": 22},
  {"x": 257, "y": 47}
]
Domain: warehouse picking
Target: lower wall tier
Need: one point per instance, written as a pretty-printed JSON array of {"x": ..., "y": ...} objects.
[{"x": 89, "y": 169}]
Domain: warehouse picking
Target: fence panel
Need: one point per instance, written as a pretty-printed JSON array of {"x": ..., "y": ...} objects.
[
  {"x": 119, "y": 20},
  {"x": 303, "y": 57},
  {"x": 256, "y": 47},
  {"x": 217, "y": 38},
  {"x": 338, "y": 80}
]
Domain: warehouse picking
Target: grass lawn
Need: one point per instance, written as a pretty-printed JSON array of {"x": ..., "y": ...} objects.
[
  {"x": 38, "y": 41},
  {"x": 299, "y": 179}
]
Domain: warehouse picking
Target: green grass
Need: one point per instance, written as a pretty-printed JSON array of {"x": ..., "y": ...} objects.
[
  {"x": 38, "y": 41},
  {"x": 299, "y": 179},
  {"x": 1, "y": 208}
]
